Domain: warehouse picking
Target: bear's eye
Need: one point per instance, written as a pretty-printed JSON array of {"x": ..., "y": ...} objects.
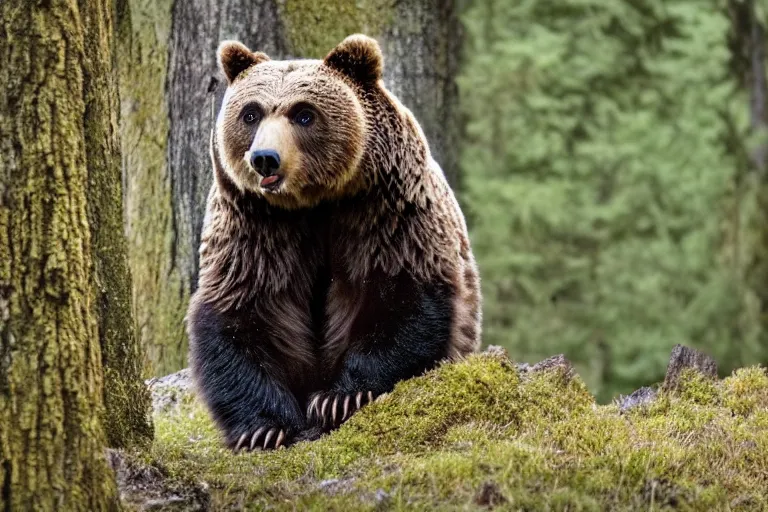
[
  {"x": 305, "y": 117},
  {"x": 250, "y": 117}
]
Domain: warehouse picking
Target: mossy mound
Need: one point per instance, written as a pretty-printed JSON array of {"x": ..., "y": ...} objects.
[{"x": 487, "y": 433}]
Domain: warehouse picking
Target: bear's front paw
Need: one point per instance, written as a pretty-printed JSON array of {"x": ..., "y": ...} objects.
[
  {"x": 330, "y": 409},
  {"x": 260, "y": 438}
]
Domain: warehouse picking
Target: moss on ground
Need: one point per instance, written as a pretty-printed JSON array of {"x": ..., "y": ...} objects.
[{"x": 485, "y": 433}]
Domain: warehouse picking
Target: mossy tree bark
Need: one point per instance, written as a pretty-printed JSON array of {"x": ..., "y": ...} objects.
[
  {"x": 126, "y": 397},
  {"x": 170, "y": 80},
  {"x": 65, "y": 314}
]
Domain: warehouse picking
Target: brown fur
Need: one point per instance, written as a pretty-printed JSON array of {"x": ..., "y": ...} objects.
[
  {"x": 317, "y": 161},
  {"x": 394, "y": 210},
  {"x": 254, "y": 319},
  {"x": 405, "y": 219},
  {"x": 235, "y": 58},
  {"x": 257, "y": 260}
]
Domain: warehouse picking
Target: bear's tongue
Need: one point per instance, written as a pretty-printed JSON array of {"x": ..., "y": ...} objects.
[{"x": 269, "y": 180}]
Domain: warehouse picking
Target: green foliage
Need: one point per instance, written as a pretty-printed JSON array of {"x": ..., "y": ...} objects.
[
  {"x": 537, "y": 441},
  {"x": 597, "y": 170}
]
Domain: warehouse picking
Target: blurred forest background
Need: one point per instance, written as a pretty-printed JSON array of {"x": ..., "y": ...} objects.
[
  {"x": 614, "y": 173},
  {"x": 609, "y": 154}
]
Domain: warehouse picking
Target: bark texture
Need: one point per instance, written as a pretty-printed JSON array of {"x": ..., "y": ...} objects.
[
  {"x": 51, "y": 388},
  {"x": 170, "y": 83},
  {"x": 422, "y": 45},
  {"x": 684, "y": 358},
  {"x": 126, "y": 397}
]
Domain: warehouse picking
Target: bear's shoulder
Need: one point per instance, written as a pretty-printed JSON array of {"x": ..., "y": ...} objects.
[{"x": 413, "y": 225}]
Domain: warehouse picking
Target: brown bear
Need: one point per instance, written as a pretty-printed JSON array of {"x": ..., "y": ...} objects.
[{"x": 335, "y": 260}]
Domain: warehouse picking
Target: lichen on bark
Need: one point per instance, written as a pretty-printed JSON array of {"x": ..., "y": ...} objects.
[
  {"x": 168, "y": 79},
  {"x": 126, "y": 398},
  {"x": 314, "y": 28},
  {"x": 51, "y": 389}
]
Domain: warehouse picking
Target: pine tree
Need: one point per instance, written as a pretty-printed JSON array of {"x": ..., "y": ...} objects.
[{"x": 596, "y": 172}]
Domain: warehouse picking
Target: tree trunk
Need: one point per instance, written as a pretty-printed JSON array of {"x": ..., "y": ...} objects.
[
  {"x": 748, "y": 241},
  {"x": 53, "y": 60},
  {"x": 757, "y": 276},
  {"x": 422, "y": 45},
  {"x": 126, "y": 397},
  {"x": 758, "y": 272},
  {"x": 170, "y": 80},
  {"x": 158, "y": 292}
]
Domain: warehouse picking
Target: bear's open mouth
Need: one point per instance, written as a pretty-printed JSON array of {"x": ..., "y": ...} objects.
[{"x": 271, "y": 182}]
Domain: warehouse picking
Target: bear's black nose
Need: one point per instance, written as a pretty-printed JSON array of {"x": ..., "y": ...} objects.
[{"x": 265, "y": 161}]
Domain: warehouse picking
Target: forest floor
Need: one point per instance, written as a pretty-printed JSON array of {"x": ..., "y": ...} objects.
[{"x": 482, "y": 434}]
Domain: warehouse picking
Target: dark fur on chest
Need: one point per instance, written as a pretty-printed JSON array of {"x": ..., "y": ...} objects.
[
  {"x": 255, "y": 319},
  {"x": 384, "y": 329}
]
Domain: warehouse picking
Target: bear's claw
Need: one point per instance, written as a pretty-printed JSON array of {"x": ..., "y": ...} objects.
[
  {"x": 255, "y": 438},
  {"x": 331, "y": 410}
]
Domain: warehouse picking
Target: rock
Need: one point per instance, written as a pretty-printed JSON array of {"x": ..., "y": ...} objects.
[
  {"x": 559, "y": 361},
  {"x": 334, "y": 486},
  {"x": 555, "y": 362},
  {"x": 683, "y": 358},
  {"x": 169, "y": 391},
  {"x": 496, "y": 350},
  {"x": 144, "y": 487},
  {"x": 524, "y": 367},
  {"x": 328, "y": 483},
  {"x": 640, "y": 398},
  {"x": 380, "y": 497}
]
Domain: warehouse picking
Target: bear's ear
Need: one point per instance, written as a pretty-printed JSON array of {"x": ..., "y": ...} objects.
[
  {"x": 359, "y": 57},
  {"x": 235, "y": 57}
]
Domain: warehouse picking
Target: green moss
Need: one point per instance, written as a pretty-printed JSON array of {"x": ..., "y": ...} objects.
[
  {"x": 314, "y": 28},
  {"x": 746, "y": 391},
  {"x": 538, "y": 439},
  {"x": 127, "y": 404},
  {"x": 698, "y": 388},
  {"x": 126, "y": 398}
]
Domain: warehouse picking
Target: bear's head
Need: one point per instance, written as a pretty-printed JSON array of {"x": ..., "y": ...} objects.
[{"x": 294, "y": 131}]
